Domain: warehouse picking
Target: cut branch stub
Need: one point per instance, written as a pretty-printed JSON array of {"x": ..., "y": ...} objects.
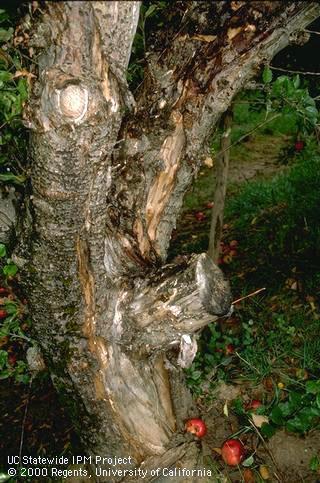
[
  {"x": 73, "y": 102},
  {"x": 180, "y": 300}
]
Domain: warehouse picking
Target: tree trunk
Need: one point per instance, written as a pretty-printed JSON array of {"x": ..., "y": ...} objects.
[
  {"x": 221, "y": 171},
  {"x": 108, "y": 179}
]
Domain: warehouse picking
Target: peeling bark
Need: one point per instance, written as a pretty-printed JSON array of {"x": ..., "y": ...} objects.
[{"x": 108, "y": 179}]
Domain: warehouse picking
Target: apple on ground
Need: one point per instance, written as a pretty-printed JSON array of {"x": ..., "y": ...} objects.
[
  {"x": 200, "y": 216},
  {"x": 230, "y": 349},
  {"x": 196, "y": 426},
  {"x": 253, "y": 405},
  {"x": 233, "y": 452},
  {"x": 299, "y": 145}
]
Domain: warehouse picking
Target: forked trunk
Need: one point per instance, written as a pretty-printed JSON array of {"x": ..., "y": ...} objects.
[{"x": 108, "y": 179}]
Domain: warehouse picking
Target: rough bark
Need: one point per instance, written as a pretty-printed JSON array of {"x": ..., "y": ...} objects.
[
  {"x": 221, "y": 180},
  {"x": 108, "y": 179}
]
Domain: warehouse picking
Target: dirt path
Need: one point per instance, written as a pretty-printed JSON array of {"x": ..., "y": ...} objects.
[{"x": 256, "y": 158}]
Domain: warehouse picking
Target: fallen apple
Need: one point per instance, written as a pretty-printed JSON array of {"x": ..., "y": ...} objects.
[
  {"x": 200, "y": 216},
  {"x": 232, "y": 452},
  {"x": 230, "y": 348},
  {"x": 196, "y": 426},
  {"x": 3, "y": 314},
  {"x": 253, "y": 405},
  {"x": 299, "y": 145}
]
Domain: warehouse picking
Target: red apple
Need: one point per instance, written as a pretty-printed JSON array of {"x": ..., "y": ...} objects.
[
  {"x": 209, "y": 204},
  {"x": 254, "y": 404},
  {"x": 3, "y": 314},
  {"x": 200, "y": 216},
  {"x": 299, "y": 145},
  {"x": 196, "y": 426},
  {"x": 232, "y": 452},
  {"x": 230, "y": 349}
]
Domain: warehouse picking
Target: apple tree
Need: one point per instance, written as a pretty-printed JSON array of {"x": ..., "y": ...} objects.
[{"x": 114, "y": 322}]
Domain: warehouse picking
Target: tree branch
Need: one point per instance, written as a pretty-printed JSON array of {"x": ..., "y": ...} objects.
[
  {"x": 178, "y": 300},
  {"x": 186, "y": 89}
]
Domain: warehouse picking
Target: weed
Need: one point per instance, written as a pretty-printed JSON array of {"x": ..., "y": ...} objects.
[
  {"x": 13, "y": 94},
  {"x": 275, "y": 335},
  {"x": 13, "y": 340}
]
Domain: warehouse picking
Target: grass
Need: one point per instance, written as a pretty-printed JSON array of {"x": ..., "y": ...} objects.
[
  {"x": 271, "y": 343},
  {"x": 255, "y": 148}
]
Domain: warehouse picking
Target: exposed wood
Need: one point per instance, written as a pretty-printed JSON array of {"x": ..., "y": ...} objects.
[
  {"x": 180, "y": 299},
  {"x": 221, "y": 180}
]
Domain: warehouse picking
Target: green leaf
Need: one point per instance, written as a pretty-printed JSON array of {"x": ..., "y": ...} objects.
[
  {"x": 248, "y": 462},
  {"x": 12, "y": 178},
  {"x": 5, "y": 76},
  {"x": 4, "y": 374},
  {"x": 6, "y": 34},
  {"x": 23, "y": 89},
  {"x": 267, "y": 75},
  {"x": 303, "y": 421},
  {"x": 276, "y": 415},
  {"x": 267, "y": 430},
  {"x": 296, "y": 81},
  {"x": 3, "y": 250},
  {"x": 150, "y": 11},
  {"x": 11, "y": 308},
  {"x": 195, "y": 375},
  {"x": 314, "y": 464},
  {"x": 4, "y": 477},
  {"x": 313, "y": 387},
  {"x": 3, "y": 358},
  {"x": 295, "y": 400},
  {"x": 10, "y": 270},
  {"x": 22, "y": 378}
]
